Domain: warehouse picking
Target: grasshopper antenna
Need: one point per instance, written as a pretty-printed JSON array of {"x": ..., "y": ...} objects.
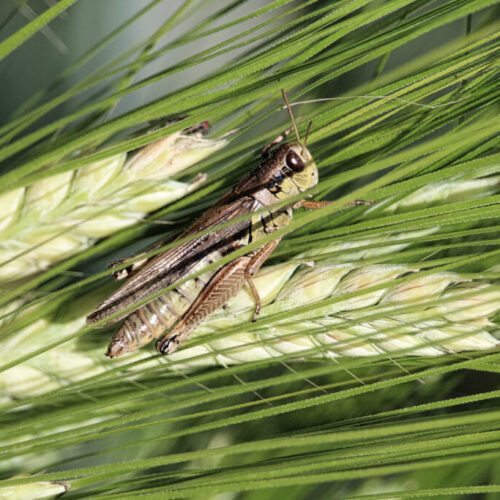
[
  {"x": 291, "y": 116},
  {"x": 307, "y": 132}
]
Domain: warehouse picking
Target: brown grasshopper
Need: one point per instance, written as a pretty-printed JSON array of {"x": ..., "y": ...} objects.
[{"x": 284, "y": 172}]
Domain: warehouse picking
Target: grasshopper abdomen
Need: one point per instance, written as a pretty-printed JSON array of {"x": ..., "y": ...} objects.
[{"x": 157, "y": 316}]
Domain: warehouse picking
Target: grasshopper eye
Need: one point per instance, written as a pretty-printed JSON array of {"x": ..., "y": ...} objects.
[{"x": 294, "y": 162}]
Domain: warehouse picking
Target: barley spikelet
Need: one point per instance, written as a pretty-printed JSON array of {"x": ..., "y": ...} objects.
[
  {"x": 33, "y": 490},
  {"x": 312, "y": 307},
  {"x": 426, "y": 315},
  {"x": 61, "y": 215}
]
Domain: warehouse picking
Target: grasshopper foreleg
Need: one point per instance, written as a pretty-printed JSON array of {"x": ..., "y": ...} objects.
[{"x": 265, "y": 151}]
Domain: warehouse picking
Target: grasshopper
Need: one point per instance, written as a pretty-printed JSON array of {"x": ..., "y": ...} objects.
[{"x": 286, "y": 170}]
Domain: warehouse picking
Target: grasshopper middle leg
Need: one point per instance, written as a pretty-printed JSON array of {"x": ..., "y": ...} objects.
[{"x": 320, "y": 204}]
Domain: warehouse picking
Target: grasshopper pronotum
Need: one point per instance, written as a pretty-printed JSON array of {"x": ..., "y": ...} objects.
[{"x": 286, "y": 170}]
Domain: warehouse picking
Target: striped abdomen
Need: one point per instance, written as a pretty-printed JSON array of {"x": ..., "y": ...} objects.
[{"x": 157, "y": 316}]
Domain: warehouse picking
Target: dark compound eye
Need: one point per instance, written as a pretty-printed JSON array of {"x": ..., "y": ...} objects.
[{"x": 294, "y": 162}]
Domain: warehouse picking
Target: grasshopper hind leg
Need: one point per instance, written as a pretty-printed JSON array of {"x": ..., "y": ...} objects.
[{"x": 226, "y": 283}]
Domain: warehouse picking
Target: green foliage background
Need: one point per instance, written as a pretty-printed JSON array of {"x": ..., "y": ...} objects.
[{"x": 358, "y": 428}]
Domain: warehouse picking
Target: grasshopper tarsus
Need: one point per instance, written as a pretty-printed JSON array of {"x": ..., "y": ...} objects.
[
  {"x": 202, "y": 128},
  {"x": 114, "y": 350},
  {"x": 358, "y": 203},
  {"x": 136, "y": 263},
  {"x": 122, "y": 273},
  {"x": 126, "y": 272},
  {"x": 164, "y": 346}
]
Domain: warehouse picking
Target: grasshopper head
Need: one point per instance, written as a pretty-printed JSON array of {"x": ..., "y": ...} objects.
[
  {"x": 291, "y": 170},
  {"x": 299, "y": 167},
  {"x": 294, "y": 171}
]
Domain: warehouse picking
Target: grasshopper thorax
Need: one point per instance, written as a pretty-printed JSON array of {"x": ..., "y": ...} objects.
[{"x": 290, "y": 170}]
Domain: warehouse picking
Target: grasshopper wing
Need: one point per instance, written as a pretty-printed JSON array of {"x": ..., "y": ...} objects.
[{"x": 168, "y": 267}]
